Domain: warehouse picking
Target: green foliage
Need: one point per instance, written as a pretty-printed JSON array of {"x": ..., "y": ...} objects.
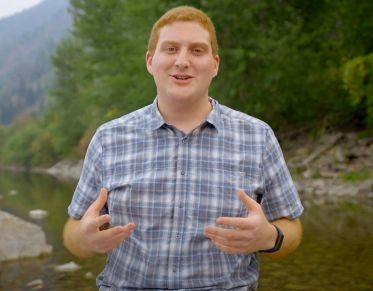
[
  {"x": 16, "y": 147},
  {"x": 27, "y": 143},
  {"x": 358, "y": 81},
  {"x": 280, "y": 61},
  {"x": 65, "y": 109},
  {"x": 114, "y": 36}
]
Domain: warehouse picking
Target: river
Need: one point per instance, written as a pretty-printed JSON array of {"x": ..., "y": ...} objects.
[{"x": 336, "y": 252}]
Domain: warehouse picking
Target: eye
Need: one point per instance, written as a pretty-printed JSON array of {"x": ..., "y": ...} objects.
[
  {"x": 170, "y": 49},
  {"x": 198, "y": 51}
]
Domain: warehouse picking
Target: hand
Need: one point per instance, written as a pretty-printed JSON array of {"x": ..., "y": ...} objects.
[
  {"x": 250, "y": 234},
  {"x": 89, "y": 235}
]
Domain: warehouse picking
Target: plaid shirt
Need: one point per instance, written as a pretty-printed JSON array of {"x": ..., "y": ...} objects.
[{"x": 172, "y": 185}]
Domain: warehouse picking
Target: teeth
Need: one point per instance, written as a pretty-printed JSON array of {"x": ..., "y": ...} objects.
[{"x": 181, "y": 78}]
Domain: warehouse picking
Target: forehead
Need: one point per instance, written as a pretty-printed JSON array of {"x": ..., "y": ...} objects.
[{"x": 181, "y": 31}]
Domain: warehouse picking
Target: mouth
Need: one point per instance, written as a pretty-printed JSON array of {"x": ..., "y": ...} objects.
[{"x": 181, "y": 77}]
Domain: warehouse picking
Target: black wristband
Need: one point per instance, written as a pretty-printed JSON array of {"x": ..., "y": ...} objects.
[{"x": 278, "y": 243}]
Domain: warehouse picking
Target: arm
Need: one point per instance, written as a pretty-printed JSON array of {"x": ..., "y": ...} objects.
[
  {"x": 88, "y": 236},
  {"x": 254, "y": 232},
  {"x": 292, "y": 230}
]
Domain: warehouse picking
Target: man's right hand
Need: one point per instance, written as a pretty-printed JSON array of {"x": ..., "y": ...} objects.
[{"x": 84, "y": 237}]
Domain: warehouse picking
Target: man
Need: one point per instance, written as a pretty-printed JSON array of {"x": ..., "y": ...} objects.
[{"x": 178, "y": 179}]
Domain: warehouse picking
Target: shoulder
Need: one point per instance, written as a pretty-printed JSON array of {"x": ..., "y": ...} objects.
[
  {"x": 136, "y": 120},
  {"x": 246, "y": 123}
]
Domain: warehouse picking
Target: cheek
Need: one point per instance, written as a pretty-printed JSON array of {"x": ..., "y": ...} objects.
[
  {"x": 159, "y": 70},
  {"x": 209, "y": 74}
]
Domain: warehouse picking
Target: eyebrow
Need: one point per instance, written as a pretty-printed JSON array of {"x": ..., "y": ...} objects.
[{"x": 175, "y": 43}]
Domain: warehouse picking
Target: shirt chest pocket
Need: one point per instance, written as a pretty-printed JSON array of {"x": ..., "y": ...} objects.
[
  {"x": 214, "y": 193},
  {"x": 142, "y": 198}
]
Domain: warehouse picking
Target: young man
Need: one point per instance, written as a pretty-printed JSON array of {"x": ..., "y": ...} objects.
[{"x": 178, "y": 180}]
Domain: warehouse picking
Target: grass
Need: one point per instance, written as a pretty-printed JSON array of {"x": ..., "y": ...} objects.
[{"x": 357, "y": 176}]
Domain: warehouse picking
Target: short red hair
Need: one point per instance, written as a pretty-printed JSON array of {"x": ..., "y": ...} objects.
[{"x": 183, "y": 13}]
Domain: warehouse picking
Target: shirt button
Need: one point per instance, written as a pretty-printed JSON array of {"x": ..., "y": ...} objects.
[
  {"x": 174, "y": 269},
  {"x": 182, "y": 172},
  {"x": 184, "y": 140}
]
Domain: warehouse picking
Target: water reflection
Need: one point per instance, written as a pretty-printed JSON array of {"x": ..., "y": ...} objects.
[{"x": 336, "y": 254}]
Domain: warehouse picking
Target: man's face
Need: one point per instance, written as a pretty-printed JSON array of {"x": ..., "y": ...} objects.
[{"x": 182, "y": 64}]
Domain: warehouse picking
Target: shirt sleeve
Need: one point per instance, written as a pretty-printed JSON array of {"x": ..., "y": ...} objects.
[
  {"x": 90, "y": 181},
  {"x": 281, "y": 198}
]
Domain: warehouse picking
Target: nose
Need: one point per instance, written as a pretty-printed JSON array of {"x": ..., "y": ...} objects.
[{"x": 182, "y": 60}]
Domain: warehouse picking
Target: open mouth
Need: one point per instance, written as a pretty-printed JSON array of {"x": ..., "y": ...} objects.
[{"x": 181, "y": 77}]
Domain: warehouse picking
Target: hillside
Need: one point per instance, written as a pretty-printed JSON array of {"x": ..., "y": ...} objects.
[{"x": 26, "y": 41}]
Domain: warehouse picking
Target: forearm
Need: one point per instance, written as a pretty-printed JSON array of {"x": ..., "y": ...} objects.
[
  {"x": 71, "y": 239},
  {"x": 292, "y": 230}
]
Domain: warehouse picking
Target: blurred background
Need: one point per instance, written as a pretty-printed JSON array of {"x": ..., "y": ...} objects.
[{"x": 304, "y": 67}]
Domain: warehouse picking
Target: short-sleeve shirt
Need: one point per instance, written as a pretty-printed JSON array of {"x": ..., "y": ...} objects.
[{"x": 172, "y": 185}]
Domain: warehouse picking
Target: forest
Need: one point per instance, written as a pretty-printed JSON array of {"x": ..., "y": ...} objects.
[{"x": 292, "y": 63}]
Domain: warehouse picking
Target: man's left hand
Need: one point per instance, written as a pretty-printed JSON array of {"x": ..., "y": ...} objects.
[{"x": 250, "y": 234}]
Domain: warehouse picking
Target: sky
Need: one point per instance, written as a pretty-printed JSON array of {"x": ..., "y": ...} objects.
[{"x": 9, "y": 7}]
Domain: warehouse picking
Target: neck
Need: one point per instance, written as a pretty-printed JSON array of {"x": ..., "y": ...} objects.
[{"x": 185, "y": 116}]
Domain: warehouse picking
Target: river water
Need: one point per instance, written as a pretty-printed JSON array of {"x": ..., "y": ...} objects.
[{"x": 336, "y": 252}]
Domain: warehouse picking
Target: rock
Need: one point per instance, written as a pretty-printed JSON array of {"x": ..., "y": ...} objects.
[
  {"x": 20, "y": 239},
  {"x": 66, "y": 169},
  {"x": 13, "y": 192},
  {"x": 37, "y": 214},
  {"x": 35, "y": 284},
  {"x": 319, "y": 184},
  {"x": 68, "y": 267},
  {"x": 88, "y": 275},
  {"x": 365, "y": 188},
  {"x": 307, "y": 174},
  {"x": 339, "y": 155}
]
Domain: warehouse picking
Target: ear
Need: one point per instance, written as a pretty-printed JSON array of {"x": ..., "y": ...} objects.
[
  {"x": 217, "y": 62},
  {"x": 149, "y": 59}
]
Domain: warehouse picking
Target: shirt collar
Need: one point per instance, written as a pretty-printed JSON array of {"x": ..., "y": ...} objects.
[
  {"x": 214, "y": 116},
  {"x": 156, "y": 120}
]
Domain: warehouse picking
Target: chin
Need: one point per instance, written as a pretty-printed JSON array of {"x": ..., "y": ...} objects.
[{"x": 178, "y": 96}]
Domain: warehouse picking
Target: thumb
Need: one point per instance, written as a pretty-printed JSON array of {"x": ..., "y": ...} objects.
[
  {"x": 99, "y": 203},
  {"x": 249, "y": 203}
]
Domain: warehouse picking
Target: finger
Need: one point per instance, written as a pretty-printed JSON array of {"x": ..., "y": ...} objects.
[
  {"x": 108, "y": 239},
  {"x": 122, "y": 234},
  {"x": 238, "y": 222},
  {"x": 249, "y": 203},
  {"x": 229, "y": 249},
  {"x": 229, "y": 234},
  {"x": 99, "y": 203},
  {"x": 101, "y": 220},
  {"x": 241, "y": 242},
  {"x": 229, "y": 237},
  {"x": 117, "y": 231}
]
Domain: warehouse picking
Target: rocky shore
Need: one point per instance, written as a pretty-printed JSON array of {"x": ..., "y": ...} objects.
[
  {"x": 330, "y": 167},
  {"x": 327, "y": 168}
]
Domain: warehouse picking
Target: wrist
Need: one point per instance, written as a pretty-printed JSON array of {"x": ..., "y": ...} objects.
[{"x": 275, "y": 242}]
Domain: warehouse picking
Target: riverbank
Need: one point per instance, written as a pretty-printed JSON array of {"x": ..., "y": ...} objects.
[
  {"x": 336, "y": 165},
  {"x": 324, "y": 169},
  {"x": 63, "y": 170}
]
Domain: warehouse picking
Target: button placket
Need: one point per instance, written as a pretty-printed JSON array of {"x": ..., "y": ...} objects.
[{"x": 181, "y": 168}]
